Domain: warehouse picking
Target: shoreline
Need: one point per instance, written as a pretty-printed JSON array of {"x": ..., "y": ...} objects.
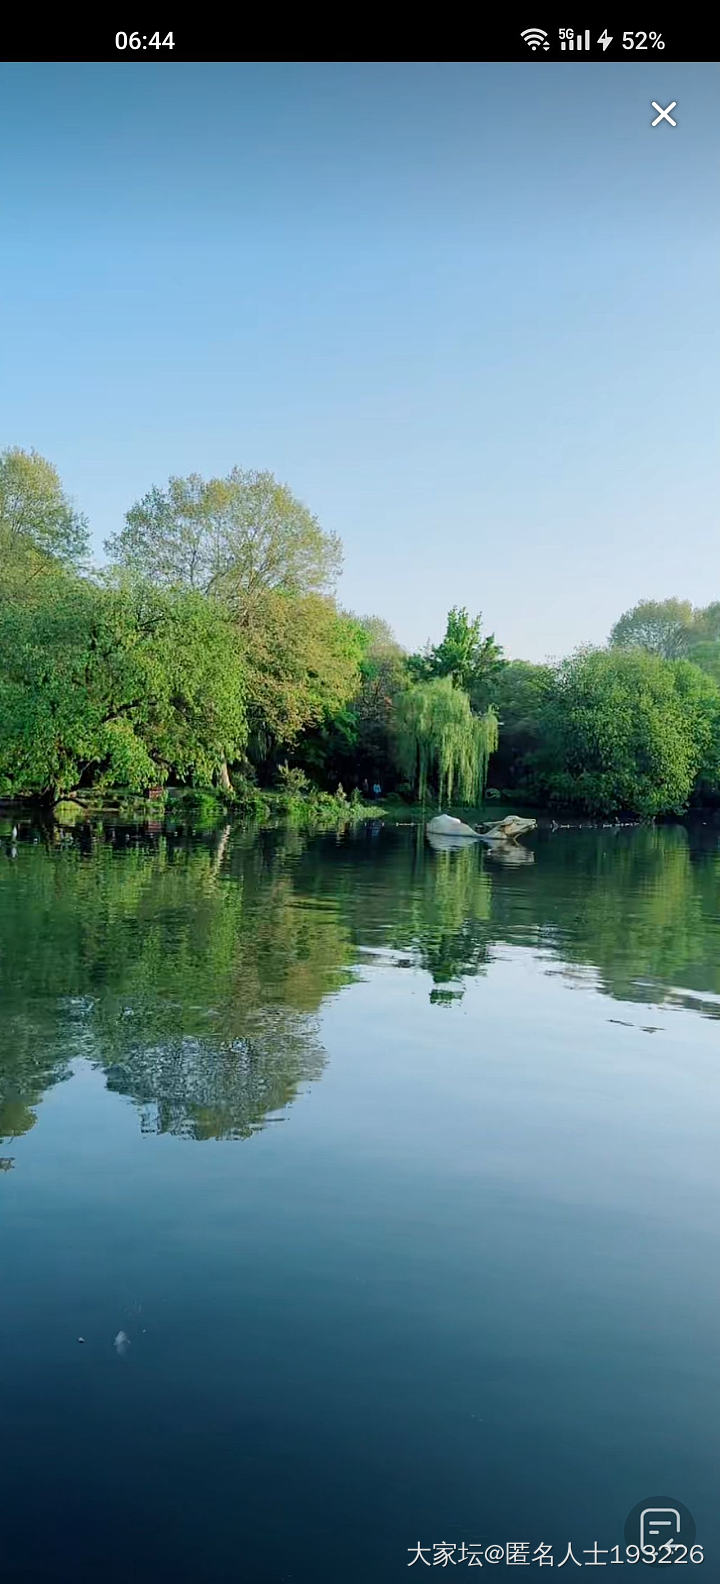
[{"x": 319, "y": 809}]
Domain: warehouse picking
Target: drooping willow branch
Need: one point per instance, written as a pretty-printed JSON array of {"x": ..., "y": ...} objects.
[{"x": 441, "y": 744}]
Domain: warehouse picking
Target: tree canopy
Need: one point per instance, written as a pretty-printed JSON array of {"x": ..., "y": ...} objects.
[
  {"x": 39, "y": 525},
  {"x": 464, "y": 655},
  {"x": 124, "y": 687},
  {"x": 236, "y": 538},
  {"x": 671, "y": 628},
  {"x": 627, "y": 730},
  {"x": 441, "y": 743},
  {"x": 212, "y": 650},
  {"x": 519, "y": 694},
  {"x": 302, "y": 659},
  {"x": 353, "y": 742},
  {"x": 706, "y": 655}
]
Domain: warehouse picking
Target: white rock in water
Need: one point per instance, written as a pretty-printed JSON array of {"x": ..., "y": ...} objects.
[{"x": 447, "y": 825}]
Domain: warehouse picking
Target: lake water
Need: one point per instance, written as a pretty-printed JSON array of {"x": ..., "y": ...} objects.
[{"x": 383, "y": 1186}]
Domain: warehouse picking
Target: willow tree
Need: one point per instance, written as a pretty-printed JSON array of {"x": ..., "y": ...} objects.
[{"x": 441, "y": 745}]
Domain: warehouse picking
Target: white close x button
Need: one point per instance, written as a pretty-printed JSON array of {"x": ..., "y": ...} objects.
[{"x": 664, "y": 115}]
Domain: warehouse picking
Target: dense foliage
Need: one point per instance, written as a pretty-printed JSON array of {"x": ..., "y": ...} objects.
[
  {"x": 211, "y": 652},
  {"x": 115, "y": 686},
  {"x": 519, "y": 695},
  {"x": 235, "y": 538},
  {"x": 442, "y": 746},
  {"x": 469, "y": 659},
  {"x": 39, "y": 527},
  {"x": 627, "y": 730},
  {"x": 671, "y": 628}
]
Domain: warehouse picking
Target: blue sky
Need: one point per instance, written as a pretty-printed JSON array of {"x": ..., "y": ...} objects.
[{"x": 468, "y": 313}]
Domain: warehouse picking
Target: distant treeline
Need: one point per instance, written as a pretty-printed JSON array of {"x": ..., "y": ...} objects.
[{"x": 210, "y": 652}]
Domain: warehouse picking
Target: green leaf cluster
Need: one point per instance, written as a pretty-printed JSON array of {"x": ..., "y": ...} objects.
[
  {"x": 464, "y": 655},
  {"x": 627, "y": 730},
  {"x": 127, "y": 686},
  {"x": 441, "y": 744}
]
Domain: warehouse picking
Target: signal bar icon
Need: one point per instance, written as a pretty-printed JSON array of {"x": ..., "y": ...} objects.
[{"x": 570, "y": 40}]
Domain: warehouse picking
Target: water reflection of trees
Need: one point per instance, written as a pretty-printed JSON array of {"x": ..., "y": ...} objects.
[
  {"x": 397, "y": 894},
  {"x": 193, "y": 971},
  {"x": 639, "y": 906},
  {"x": 446, "y": 919},
  {"x": 194, "y": 982}
]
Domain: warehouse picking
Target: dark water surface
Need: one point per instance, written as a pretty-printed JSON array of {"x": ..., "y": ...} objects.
[{"x": 383, "y": 1185}]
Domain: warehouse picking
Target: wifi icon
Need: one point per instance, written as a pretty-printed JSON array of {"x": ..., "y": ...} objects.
[{"x": 535, "y": 38}]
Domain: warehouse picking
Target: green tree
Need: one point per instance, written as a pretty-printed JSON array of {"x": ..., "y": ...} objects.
[
  {"x": 301, "y": 658},
  {"x": 354, "y": 742},
  {"x": 249, "y": 545},
  {"x": 519, "y": 696},
  {"x": 664, "y": 627},
  {"x": 706, "y": 655},
  {"x": 470, "y": 659},
  {"x": 383, "y": 678},
  {"x": 39, "y": 526},
  {"x": 122, "y": 686},
  {"x": 236, "y": 538},
  {"x": 441, "y": 743},
  {"x": 627, "y": 730},
  {"x": 706, "y": 624}
]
